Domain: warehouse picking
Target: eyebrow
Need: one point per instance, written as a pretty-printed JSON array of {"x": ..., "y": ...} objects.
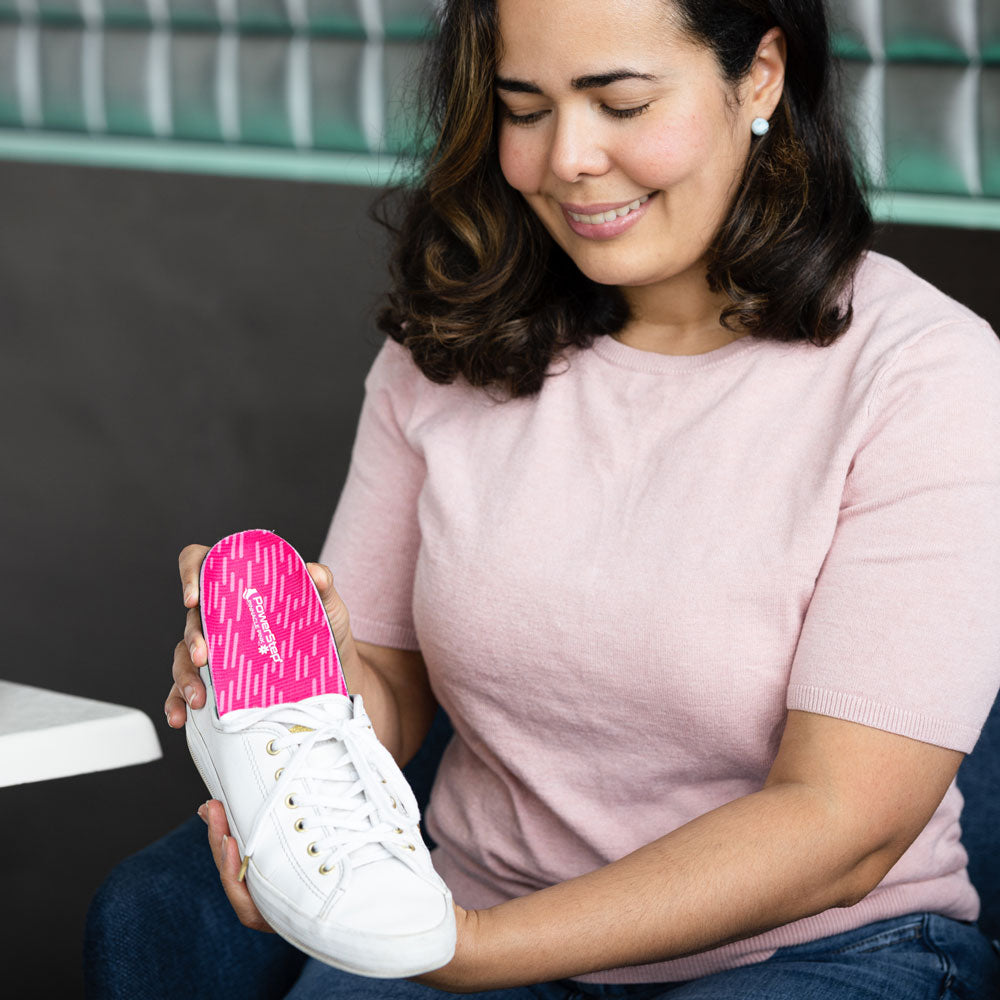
[{"x": 591, "y": 81}]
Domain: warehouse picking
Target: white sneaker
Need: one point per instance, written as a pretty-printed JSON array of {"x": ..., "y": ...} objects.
[{"x": 324, "y": 819}]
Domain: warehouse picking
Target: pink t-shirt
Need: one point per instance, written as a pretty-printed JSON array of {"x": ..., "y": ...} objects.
[{"x": 621, "y": 584}]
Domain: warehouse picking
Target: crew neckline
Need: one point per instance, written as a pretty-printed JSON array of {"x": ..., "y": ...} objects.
[{"x": 652, "y": 362}]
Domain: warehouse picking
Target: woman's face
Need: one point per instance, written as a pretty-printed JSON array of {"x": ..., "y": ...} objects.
[{"x": 608, "y": 104}]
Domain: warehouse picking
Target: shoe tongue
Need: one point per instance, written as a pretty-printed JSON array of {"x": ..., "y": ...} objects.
[{"x": 324, "y": 756}]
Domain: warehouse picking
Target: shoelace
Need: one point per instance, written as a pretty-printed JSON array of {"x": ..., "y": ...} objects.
[{"x": 369, "y": 811}]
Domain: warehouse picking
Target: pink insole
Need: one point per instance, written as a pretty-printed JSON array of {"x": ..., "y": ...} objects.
[{"x": 269, "y": 639}]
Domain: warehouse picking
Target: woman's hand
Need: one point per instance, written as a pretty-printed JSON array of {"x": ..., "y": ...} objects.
[
  {"x": 227, "y": 859},
  {"x": 458, "y": 975},
  {"x": 192, "y": 652}
]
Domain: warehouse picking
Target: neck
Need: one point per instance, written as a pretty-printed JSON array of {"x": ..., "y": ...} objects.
[{"x": 677, "y": 317}]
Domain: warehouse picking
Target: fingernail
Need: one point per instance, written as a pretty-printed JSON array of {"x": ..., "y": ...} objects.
[
  {"x": 194, "y": 649},
  {"x": 201, "y": 813},
  {"x": 224, "y": 839},
  {"x": 166, "y": 712},
  {"x": 188, "y": 591},
  {"x": 189, "y": 695}
]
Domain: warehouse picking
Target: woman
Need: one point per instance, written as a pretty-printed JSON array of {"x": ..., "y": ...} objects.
[{"x": 677, "y": 500}]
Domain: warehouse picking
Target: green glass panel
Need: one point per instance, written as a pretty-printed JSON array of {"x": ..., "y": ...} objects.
[
  {"x": 341, "y": 25},
  {"x": 126, "y": 102},
  {"x": 402, "y": 65},
  {"x": 198, "y": 124},
  {"x": 334, "y": 71},
  {"x": 409, "y": 26},
  {"x": 62, "y": 79},
  {"x": 59, "y": 12},
  {"x": 263, "y": 110},
  {"x": 262, "y": 16},
  {"x": 192, "y": 83},
  {"x": 989, "y": 31},
  {"x": 10, "y": 105},
  {"x": 925, "y": 49},
  {"x": 845, "y": 47},
  {"x": 338, "y": 135},
  {"x": 194, "y": 14},
  {"x": 927, "y": 171},
  {"x": 989, "y": 130},
  {"x": 126, "y": 13},
  {"x": 335, "y": 17}
]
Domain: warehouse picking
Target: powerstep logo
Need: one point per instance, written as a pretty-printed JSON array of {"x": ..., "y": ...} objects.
[{"x": 265, "y": 637}]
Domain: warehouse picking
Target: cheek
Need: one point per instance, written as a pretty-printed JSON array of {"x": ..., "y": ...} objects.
[
  {"x": 521, "y": 167},
  {"x": 667, "y": 155}
]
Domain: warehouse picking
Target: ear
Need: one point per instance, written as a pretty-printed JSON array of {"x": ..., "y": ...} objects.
[{"x": 767, "y": 75}]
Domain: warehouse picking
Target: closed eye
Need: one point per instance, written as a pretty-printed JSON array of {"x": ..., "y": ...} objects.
[
  {"x": 528, "y": 119},
  {"x": 535, "y": 116},
  {"x": 625, "y": 112}
]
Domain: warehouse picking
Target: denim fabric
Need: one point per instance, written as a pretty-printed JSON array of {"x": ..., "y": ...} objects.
[{"x": 162, "y": 926}]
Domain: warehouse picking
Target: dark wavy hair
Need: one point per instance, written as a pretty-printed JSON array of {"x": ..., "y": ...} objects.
[{"x": 479, "y": 287}]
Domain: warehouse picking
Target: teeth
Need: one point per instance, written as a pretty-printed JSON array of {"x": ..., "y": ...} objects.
[{"x": 617, "y": 213}]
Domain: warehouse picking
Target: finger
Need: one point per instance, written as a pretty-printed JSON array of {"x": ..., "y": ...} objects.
[
  {"x": 189, "y": 685},
  {"x": 226, "y": 853},
  {"x": 175, "y": 709},
  {"x": 189, "y": 564},
  {"x": 194, "y": 638},
  {"x": 336, "y": 610}
]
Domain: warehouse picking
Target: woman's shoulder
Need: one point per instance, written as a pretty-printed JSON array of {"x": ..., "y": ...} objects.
[
  {"x": 396, "y": 380},
  {"x": 886, "y": 290},
  {"x": 895, "y": 310}
]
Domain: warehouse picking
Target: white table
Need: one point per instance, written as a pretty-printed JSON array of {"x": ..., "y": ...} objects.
[{"x": 45, "y": 734}]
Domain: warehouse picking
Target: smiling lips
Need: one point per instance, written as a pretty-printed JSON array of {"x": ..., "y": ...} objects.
[
  {"x": 599, "y": 217},
  {"x": 604, "y": 222}
]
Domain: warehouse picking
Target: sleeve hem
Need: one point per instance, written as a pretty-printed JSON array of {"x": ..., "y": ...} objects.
[
  {"x": 383, "y": 633},
  {"x": 857, "y": 708}
]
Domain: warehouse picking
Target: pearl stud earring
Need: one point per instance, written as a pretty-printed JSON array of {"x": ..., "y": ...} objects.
[{"x": 760, "y": 126}]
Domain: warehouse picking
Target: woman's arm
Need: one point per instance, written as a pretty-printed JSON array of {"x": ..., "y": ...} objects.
[{"x": 841, "y": 804}]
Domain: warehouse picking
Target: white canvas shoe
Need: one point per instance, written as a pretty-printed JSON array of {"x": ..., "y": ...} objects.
[{"x": 325, "y": 821}]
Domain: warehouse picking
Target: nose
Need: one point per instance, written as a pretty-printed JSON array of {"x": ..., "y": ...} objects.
[{"x": 577, "y": 147}]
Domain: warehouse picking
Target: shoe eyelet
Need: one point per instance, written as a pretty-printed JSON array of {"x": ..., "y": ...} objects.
[
  {"x": 290, "y": 801},
  {"x": 393, "y": 803},
  {"x": 323, "y": 870},
  {"x": 278, "y": 773},
  {"x": 299, "y": 826},
  {"x": 272, "y": 752},
  {"x": 313, "y": 849},
  {"x": 411, "y": 847},
  {"x": 398, "y": 829}
]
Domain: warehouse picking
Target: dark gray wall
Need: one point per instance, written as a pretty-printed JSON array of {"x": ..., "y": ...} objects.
[{"x": 182, "y": 357}]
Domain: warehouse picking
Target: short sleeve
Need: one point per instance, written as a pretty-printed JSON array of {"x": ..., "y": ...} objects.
[
  {"x": 903, "y": 629},
  {"x": 374, "y": 537}
]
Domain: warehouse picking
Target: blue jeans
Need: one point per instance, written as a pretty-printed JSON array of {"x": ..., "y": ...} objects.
[{"x": 161, "y": 926}]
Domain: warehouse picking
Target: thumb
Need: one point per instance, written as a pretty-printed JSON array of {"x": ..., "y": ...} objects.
[{"x": 336, "y": 610}]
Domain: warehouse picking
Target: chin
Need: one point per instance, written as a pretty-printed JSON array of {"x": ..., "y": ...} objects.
[{"x": 618, "y": 275}]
